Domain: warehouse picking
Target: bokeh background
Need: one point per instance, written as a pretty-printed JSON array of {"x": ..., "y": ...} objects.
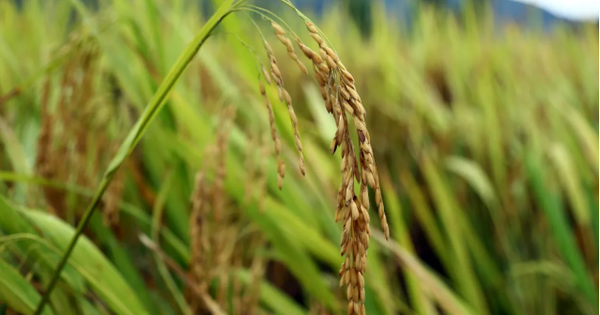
[{"x": 483, "y": 117}]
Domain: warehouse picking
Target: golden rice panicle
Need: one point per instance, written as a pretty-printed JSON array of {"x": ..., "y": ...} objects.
[
  {"x": 282, "y": 37},
  {"x": 341, "y": 99},
  {"x": 285, "y": 97},
  {"x": 369, "y": 172},
  {"x": 355, "y": 235},
  {"x": 274, "y": 136},
  {"x": 321, "y": 71},
  {"x": 353, "y": 105},
  {"x": 294, "y": 120}
]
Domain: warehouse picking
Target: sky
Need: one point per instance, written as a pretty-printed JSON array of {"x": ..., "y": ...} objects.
[{"x": 577, "y": 10}]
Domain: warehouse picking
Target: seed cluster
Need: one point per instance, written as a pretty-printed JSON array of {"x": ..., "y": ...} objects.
[
  {"x": 343, "y": 103},
  {"x": 209, "y": 225},
  {"x": 341, "y": 98},
  {"x": 274, "y": 136},
  {"x": 282, "y": 37},
  {"x": 284, "y": 96},
  {"x": 64, "y": 152}
]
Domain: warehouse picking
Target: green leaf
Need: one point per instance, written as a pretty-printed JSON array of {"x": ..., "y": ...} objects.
[
  {"x": 93, "y": 266},
  {"x": 17, "y": 292},
  {"x": 434, "y": 286},
  {"x": 552, "y": 206},
  {"x": 456, "y": 227},
  {"x": 19, "y": 229},
  {"x": 475, "y": 176}
]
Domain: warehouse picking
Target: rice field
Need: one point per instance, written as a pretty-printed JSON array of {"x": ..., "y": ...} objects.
[{"x": 251, "y": 162}]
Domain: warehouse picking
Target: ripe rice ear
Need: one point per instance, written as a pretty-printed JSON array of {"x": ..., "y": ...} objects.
[{"x": 342, "y": 100}]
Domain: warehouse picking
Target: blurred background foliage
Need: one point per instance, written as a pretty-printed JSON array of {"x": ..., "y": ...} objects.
[{"x": 485, "y": 133}]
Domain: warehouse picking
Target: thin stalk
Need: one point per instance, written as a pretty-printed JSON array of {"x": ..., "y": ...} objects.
[{"x": 136, "y": 134}]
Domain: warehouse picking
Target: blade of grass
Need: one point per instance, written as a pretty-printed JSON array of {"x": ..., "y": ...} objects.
[
  {"x": 431, "y": 283},
  {"x": 272, "y": 297},
  {"x": 400, "y": 230},
  {"x": 102, "y": 275},
  {"x": 128, "y": 209},
  {"x": 210, "y": 303},
  {"x": 551, "y": 205},
  {"x": 156, "y": 226},
  {"x": 122, "y": 260},
  {"x": 454, "y": 224},
  {"x": 16, "y": 291}
]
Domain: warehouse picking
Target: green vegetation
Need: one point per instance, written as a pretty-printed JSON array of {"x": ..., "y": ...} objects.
[{"x": 486, "y": 143}]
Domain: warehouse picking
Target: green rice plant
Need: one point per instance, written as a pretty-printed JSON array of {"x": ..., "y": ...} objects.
[{"x": 486, "y": 143}]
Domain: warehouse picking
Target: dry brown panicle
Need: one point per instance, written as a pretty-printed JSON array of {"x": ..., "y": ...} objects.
[
  {"x": 217, "y": 249},
  {"x": 341, "y": 99},
  {"x": 64, "y": 152},
  {"x": 285, "y": 97},
  {"x": 199, "y": 242},
  {"x": 112, "y": 198},
  {"x": 44, "y": 163},
  {"x": 208, "y": 221}
]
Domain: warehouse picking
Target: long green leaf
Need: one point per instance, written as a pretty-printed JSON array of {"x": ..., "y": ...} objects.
[
  {"x": 434, "y": 287},
  {"x": 16, "y": 291},
  {"x": 551, "y": 204},
  {"x": 95, "y": 268}
]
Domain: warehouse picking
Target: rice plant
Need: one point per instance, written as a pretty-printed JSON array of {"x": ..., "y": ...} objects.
[{"x": 171, "y": 164}]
